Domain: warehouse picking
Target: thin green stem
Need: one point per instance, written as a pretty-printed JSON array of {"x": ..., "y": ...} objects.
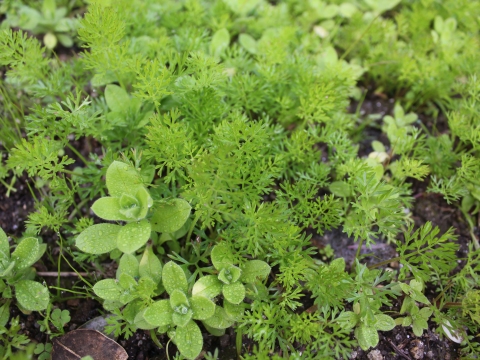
[
  {"x": 76, "y": 152},
  {"x": 359, "y": 38},
  {"x": 75, "y": 270},
  {"x": 70, "y": 291},
  {"x": 192, "y": 226},
  {"x": 154, "y": 337},
  {"x": 357, "y": 255},
  {"x": 385, "y": 262}
]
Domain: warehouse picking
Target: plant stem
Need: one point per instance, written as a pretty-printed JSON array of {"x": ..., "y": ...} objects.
[
  {"x": 359, "y": 38},
  {"x": 385, "y": 262},
  {"x": 154, "y": 337},
  {"x": 76, "y": 152}
]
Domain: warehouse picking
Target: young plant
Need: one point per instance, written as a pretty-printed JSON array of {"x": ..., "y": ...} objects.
[
  {"x": 230, "y": 283},
  {"x": 16, "y": 274},
  {"x": 130, "y": 202},
  {"x": 52, "y": 21},
  {"x": 175, "y": 315}
]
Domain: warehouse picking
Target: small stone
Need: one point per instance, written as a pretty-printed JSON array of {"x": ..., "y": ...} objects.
[
  {"x": 430, "y": 355},
  {"x": 394, "y": 264},
  {"x": 416, "y": 349},
  {"x": 375, "y": 355}
]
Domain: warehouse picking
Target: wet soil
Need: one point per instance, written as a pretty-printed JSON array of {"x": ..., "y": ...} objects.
[{"x": 400, "y": 343}]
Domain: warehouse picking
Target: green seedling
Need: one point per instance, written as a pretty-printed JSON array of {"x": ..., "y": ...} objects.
[
  {"x": 366, "y": 327},
  {"x": 16, "y": 273},
  {"x": 176, "y": 314},
  {"x": 52, "y": 21},
  {"x": 130, "y": 202}
]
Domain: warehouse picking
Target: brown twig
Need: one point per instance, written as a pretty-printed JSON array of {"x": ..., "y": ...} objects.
[
  {"x": 398, "y": 351},
  {"x": 61, "y": 273}
]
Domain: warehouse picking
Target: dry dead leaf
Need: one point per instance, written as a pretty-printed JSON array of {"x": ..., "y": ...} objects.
[{"x": 82, "y": 342}]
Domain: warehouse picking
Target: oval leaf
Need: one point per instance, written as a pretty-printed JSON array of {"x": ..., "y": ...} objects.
[
  {"x": 174, "y": 278},
  {"x": 254, "y": 270},
  {"x": 150, "y": 265},
  {"x": 220, "y": 41},
  {"x": 26, "y": 253},
  {"x": 384, "y": 322},
  {"x": 133, "y": 236},
  {"x": 234, "y": 312},
  {"x": 141, "y": 323},
  {"x": 108, "y": 289},
  {"x": 98, "y": 239},
  {"x": 4, "y": 246},
  {"x": 234, "y": 293},
  {"x": 208, "y": 286},
  {"x": 221, "y": 256},
  {"x": 108, "y": 208},
  {"x": 122, "y": 178},
  {"x": 367, "y": 336},
  {"x": 128, "y": 264},
  {"x": 117, "y": 98},
  {"x": 202, "y": 307},
  {"x": 220, "y": 319},
  {"x": 189, "y": 340},
  {"x": 159, "y": 313},
  {"x": 32, "y": 295},
  {"x": 248, "y": 43},
  {"x": 170, "y": 216}
]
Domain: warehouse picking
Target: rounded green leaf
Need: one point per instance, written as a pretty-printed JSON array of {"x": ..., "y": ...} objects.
[
  {"x": 208, "y": 286},
  {"x": 220, "y": 319},
  {"x": 108, "y": 208},
  {"x": 108, "y": 289},
  {"x": 202, "y": 307},
  {"x": 141, "y": 323},
  {"x": 133, "y": 236},
  {"x": 117, "y": 98},
  {"x": 26, "y": 253},
  {"x": 122, "y": 178},
  {"x": 221, "y": 256},
  {"x": 234, "y": 312},
  {"x": 4, "y": 246},
  {"x": 220, "y": 41},
  {"x": 128, "y": 264},
  {"x": 180, "y": 319},
  {"x": 150, "y": 265},
  {"x": 248, "y": 43},
  {"x": 173, "y": 278},
  {"x": 32, "y": 295},
  {"x": 213, "y": 331},
  {"x": 145, "y": 201},
  {"x": 159, "y": 313},
  {"x": 234, "y": 293},
  {"x": 384, "y": 322},
  {"x": 50, "y": 40},
  {"x": 98, "y": 239},
  {"x": 189, "y": 340},
  {"x": 367, "y": 336},
  {"x": 254, "y": 270},
  {"x": 230, "y": 274},
  {"x": 340, "y": 188},
  {"x": 178, "y": 299},
  {"x": 170, "y": 216}
]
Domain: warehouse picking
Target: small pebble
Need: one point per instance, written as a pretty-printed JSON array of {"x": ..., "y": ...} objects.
[
  {"x": 375, "y": 355},
  {"x": 416, "y": 349}
]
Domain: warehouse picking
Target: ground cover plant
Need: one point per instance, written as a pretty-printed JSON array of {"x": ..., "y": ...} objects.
[{"x": 241, "y": 179}]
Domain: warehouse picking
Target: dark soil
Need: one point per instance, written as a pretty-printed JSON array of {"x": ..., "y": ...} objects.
[{"x": 400, "y": 343}]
